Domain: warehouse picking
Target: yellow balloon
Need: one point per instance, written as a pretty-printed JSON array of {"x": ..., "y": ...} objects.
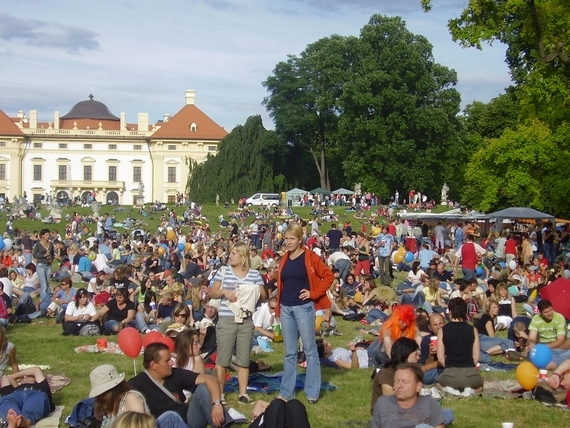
[
  {"x": 398, "y": 258},
  {"x": 160, "y": 251},
  {"x": 188, "y": 246},
  {"x": 170, "y": 235},
  {"x": 527, "y": 375},
  {"x": 402, "y": 251}
]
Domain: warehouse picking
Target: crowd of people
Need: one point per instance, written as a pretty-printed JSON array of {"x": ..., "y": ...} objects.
[{"x": 217, "y": 296}]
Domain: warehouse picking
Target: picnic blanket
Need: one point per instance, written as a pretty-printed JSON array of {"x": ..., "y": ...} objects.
[
  {"x": 112, "y": 348},
  {"x": 269, "y": 383}
]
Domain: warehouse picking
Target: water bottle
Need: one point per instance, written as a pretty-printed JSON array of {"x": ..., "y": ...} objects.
[{"x": 277, "y": 337}]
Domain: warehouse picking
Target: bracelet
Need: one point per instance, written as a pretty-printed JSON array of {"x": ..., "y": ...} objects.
[{"x": 557, "y": 374}]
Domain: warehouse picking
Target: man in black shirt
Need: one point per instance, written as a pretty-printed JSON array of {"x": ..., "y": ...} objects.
[
  {"x": 334, "y": 235},
  {"x": 163, "y": 388},
  {"x": 27, "y": 394}
]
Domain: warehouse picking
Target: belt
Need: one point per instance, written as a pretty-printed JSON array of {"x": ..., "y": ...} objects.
[{"x": 28, "y": 388}]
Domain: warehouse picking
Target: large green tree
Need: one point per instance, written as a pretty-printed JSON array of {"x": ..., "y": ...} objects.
[
  {"x": 303, "y": 93},
  {"x": 250, "y": 159},
  {"x": 520, "y": 168},
  {"x": 399, "y": 126}
]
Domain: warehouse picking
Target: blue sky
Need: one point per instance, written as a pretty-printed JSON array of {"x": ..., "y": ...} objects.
[{"x": 141, "y": 55}]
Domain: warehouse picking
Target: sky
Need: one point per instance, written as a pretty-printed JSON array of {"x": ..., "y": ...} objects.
[{"x": 142, "y": 55}]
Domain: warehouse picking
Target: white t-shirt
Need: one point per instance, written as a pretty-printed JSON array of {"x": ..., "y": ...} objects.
[
  {"x": 86, "y": 310},
  {"x": 7, "y": 286},
  {"x": 262, "y": 317},
  {"x": 417, "y": 278},
  {"x": 100, "y": 262}
]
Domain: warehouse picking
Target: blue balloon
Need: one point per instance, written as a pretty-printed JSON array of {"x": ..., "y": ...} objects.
[
  {"x": 409, "y": 257},
  {"x": 502, "y": 264},
  {"x": 1, "y": 244},
  {"x": 479, "y": 271},
  {"x": 164, "y": 246},
  {"x": 181, "y": 246},
  {"x": 540, "y": 356}
]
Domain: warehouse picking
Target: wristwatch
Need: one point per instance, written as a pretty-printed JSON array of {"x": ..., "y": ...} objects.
[{"x": 216, "y": 403}]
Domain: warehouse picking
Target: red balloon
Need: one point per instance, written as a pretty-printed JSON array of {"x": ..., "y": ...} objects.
[
  {"x": 130, "y": 342},
  {"x": 168, "y": 342},
  {"x": 152, "y": 337}
]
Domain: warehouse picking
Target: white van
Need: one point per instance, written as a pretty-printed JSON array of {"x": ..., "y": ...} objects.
[{"x": 266, "y": 199}]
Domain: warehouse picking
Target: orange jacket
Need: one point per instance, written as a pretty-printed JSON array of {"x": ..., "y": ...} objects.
[{"x": 320, "y": 279}]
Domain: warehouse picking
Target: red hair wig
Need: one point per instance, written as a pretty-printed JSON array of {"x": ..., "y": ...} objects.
[{"x": 404, "y": 313}]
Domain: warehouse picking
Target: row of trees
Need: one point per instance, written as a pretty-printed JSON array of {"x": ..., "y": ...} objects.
[{"x": 377, "y": 109}]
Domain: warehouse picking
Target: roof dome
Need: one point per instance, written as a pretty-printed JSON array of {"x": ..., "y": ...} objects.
[{"x": 90, "y": 109}]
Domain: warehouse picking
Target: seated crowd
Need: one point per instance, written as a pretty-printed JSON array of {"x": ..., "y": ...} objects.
[{"x": 218, "y": 300}]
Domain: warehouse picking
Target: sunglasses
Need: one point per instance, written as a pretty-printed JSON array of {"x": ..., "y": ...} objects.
[{"x": 181, "y": 315}]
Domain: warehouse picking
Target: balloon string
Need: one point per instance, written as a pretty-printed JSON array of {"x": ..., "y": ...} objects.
[{"x": 134, "y": 367}]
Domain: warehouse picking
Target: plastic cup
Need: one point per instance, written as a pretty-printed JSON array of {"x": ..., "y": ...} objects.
[
  {"x": 433, "y": 340},
  {"x": 542, "y": 374},
  {"x": 101, "y": 343},
  {"x": 508, "y": 425}
]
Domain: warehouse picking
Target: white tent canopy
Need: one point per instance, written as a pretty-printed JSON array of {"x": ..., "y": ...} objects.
[{"x": 295, "y": 196}]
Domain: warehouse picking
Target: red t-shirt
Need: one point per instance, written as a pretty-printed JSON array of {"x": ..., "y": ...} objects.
[
  {"x": 511, "y": 247},
  {"x": 392, "y": 229},
  {"x": 468, "y": 256}
]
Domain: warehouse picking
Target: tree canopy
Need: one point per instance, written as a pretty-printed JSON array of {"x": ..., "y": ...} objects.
[{"x": 250, "y": 159}]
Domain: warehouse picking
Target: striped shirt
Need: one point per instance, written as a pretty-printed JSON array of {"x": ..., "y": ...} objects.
[{"x": 231, "y": 282}]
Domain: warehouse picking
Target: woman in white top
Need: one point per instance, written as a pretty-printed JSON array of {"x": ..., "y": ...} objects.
[
  {"x": 188, "y": 354},
  {"x": 30, "y": 283},
  {"x": 79, "y": 313},
  {"x": 229, "y": 282},
  {"x": 416, "y": 274}
]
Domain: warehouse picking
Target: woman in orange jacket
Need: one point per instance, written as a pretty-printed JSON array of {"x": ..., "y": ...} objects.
[{"x": 302, "y": 285}]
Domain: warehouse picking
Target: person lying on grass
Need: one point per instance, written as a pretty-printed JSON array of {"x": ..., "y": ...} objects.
[{"x": 26, "y": 397}]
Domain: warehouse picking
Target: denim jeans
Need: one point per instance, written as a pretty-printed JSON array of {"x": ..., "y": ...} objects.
[
  {"x": 44, "y": 273},
  {"x": 469, "y": 274},
  {"x": 170, "y": 420},
  {"x": 431, "y": 375},
  {"x": 488, "y": 342},
  {"x": 27, "y": 258},
  {"x": 343, "y": 267},
  {"x": 141, "y": 324},
  {"x": 199, "y": 414},
  {"x": 376, "y": 357},
  {"x": 375, "y": 314},
  {"x": 109, "y": 325},
  {"x": 299, "y": 321},
  {"x": 31, "y": 403}
]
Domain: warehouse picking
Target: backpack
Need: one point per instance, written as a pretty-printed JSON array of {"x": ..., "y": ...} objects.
[{"x": 83, "y": 415}]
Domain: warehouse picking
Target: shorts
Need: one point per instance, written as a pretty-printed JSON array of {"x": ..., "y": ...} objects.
[
  {"x": 230, "y": 335},
  {"x": 460, "y": 378}
]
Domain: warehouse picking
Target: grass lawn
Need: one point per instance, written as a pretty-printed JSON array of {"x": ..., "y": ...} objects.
[{"x": 42, "y": 343}]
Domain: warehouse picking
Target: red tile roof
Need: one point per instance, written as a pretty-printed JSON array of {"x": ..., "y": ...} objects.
[
  {"x": 178, "y": 127},
  {"x": 8, "y": 127}
]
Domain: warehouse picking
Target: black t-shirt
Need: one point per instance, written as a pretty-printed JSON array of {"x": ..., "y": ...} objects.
[
  {"x": 295, "y": 278},
  {"x": 444, "y": 276},
  {"x": 482, "y": 322},
  {"x": 158, "y": 402},
  {"x": 118, "y": 314},
  {"x": 210, "y": 343},
  {"x": 458, "y": 338},
  {"x": 334, "y": 236},
  {"x": 42, "y": 386}
]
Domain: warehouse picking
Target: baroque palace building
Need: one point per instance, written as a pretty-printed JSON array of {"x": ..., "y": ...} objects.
[{"x": 91, "y": 153}]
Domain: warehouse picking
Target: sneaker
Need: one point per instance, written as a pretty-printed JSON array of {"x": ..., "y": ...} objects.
[
  {"x": 245, "y": 399},
  {"x": 223, "y": 400},
  {"x": 147, "y": 331}
]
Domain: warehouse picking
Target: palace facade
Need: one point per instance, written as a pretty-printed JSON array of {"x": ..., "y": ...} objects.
[{"x": 91, "y": 153}]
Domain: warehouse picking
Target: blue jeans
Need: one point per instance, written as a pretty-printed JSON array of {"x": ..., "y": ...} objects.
[
  {"x": 44, "y": 273},
  {"x": 199, "y": 414},
  {"x": 488, "y": 342},
  {"x": 376, "y": 357},
  {"x": 32, "y": 404},
  {"x": 27, "y": 258},
  {"x": 431, "y": 375},
  {"x": 170, "y": 419},
  {"x": 343, "y": 267},
  {"x": 560, "y": 355},
  {"x": 469, "y": 274},
  {"x": 375, "y": 314},
  {"x": 109, "y": 325},
  {"x": 141, "y": 324},
  {"x": 299, "y": 321}
]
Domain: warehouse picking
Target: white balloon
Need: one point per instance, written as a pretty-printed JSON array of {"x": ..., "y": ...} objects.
[
  {"x": 169, "y": 228},
  {"x": 8, "y": 244},
  {"x": 512, "y": 265},
  {"x": 280, "y": 228}
]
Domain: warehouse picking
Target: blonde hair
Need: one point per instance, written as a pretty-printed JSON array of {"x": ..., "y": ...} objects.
[
  {"x": 243, "y": 250},
  {"x": 134, "y": 420},
  {"x": 294, "y": 229}
]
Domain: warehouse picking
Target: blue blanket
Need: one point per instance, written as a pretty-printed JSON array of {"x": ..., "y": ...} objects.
[{"x": 269, "y": 383}]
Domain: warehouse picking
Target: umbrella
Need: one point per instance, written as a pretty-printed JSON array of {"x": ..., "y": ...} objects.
[{"x": 558, "y": 292}]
